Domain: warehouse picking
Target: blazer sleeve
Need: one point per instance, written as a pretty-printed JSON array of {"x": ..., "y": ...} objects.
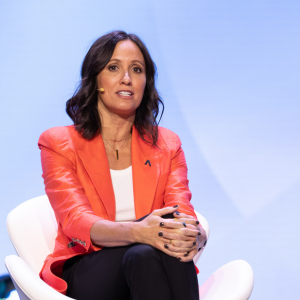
[
  {"x": 177, "y": 188},
  {"x": 63, "y": 188}
]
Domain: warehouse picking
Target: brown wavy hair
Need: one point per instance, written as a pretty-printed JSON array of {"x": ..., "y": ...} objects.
[{"x": 82, "y": 107}]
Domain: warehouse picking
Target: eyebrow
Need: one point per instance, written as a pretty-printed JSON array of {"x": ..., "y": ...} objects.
[{"x": 135, "y": 60}]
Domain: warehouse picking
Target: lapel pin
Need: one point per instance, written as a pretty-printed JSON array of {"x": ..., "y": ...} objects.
[{"x": 148, "y": 162}]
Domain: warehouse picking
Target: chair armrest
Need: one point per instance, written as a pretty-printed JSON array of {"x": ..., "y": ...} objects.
[
  {"x": 27, "y": 283},
  {"x": 233, "y": 281}
]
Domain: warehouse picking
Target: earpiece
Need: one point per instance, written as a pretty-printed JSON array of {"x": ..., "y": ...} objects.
[{"x": 101, "y": 90}]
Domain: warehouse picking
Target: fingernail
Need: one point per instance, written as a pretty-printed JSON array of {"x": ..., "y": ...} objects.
[
  {"x": 199, "y": 249},
  {"x": 186, "y": 254},
  {"x": 166, "y": 246},
  {"x": 177, "y": 213},
  {"x": 199, "y": 233},
  {"x": 175, "y": 206},
  {"x": 160, "y": 233},
  {"x": 179, "y": 258},
  {"x": 197, "y": 222},
  {"x": 194, "y": 243},
  {"x": 183, "y": 224},
  {"x": 161, "y": 224}
]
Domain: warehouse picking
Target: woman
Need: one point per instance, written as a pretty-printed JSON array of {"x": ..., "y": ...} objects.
[{"x": 113, "y": 167}]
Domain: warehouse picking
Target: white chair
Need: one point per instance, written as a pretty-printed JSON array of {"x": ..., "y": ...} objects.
[{"x": 32, "y": 228}]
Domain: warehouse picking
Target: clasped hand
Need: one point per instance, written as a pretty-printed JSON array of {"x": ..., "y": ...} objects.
[{"x": 181, "y": 237}]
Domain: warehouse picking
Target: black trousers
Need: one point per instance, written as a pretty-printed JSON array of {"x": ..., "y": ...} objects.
[{"x": 135, "y": 272}]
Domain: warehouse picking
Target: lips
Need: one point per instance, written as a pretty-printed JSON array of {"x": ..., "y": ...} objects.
[{"x": 125, "y": 93}]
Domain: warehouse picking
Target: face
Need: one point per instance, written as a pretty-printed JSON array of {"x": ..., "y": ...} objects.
[{"x": 123, "y": 80}]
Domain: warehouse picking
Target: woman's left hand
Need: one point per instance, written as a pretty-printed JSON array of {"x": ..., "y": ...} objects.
[{"x": 170, "y": 232}]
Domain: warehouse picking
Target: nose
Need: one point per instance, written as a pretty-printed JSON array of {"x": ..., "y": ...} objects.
[{"x": 126, "y": 79}]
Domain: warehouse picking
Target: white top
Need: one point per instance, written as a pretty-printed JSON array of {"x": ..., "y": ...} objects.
[{"x": 123, "y": 189}]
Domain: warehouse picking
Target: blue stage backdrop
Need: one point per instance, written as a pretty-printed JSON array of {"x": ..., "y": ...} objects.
[{"x": 229, "y": 74}]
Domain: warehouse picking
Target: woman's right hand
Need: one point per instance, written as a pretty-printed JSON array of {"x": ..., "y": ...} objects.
[{"x": 152, "y": 229}]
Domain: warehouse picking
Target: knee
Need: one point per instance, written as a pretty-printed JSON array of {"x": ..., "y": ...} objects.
[{"x": 140, "y": 253}]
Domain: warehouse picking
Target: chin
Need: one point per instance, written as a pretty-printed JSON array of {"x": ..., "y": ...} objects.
[
  {"x": 125, "y": 112},
  {"x": 126, "y": 108}
]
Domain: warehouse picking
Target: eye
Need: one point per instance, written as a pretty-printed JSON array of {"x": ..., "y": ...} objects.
[
  {"x": 112, "y": 68},
  {"x": 137, "y": 70}
]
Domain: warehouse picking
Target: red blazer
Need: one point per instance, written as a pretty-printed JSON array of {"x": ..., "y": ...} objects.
[{"x": 78, "y": 183}]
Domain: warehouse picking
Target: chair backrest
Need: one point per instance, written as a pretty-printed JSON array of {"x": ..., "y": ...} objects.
[
  {"x": 203, "y": 223},
  {"x": 32, "y": 228},
  {"x": 205, "y": 226}
]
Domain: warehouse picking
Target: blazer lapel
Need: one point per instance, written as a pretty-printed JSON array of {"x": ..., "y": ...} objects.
[
  {"x": 145, "y": 176},
  {"x": 94, "y": 158}
]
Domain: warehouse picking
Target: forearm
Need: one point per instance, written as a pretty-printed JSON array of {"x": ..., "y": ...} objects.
[{"x": 113, "y": 234}]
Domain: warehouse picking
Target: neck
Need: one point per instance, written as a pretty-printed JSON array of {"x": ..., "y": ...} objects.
[{"x": 116, "y": 128}]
